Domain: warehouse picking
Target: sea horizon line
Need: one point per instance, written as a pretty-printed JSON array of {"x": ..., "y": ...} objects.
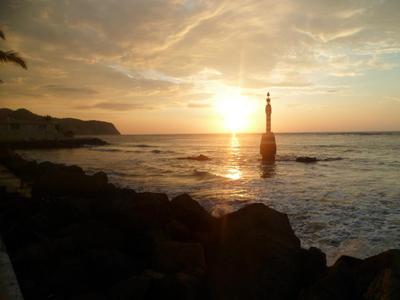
[{"x": 366, "y": 132}]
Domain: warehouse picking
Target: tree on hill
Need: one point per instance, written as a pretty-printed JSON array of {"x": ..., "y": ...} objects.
[
  {"x": 11, "y": 56},
  {"x": 47, "y": 118}
]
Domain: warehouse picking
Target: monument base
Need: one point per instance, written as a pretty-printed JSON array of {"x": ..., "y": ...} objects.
[{"x": 268, "y": 147}]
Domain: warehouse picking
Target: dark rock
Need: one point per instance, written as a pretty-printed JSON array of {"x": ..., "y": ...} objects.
[
  {"x": 376, "y": 277},
  {"x": 154, "y": 275},
  {"x": 306, "y": 159},
  {"x": 313, "y": 265},
  {"x": 16, "y": 164},
  {"x": 172, "y": 257},
  {"x": 178, "y": 231},
  {"x": 60, "y": 180},
  {"x": 180, "y": 286},
  {"x": 69, "y": 277},
  {"x": 200, "y": 157},
  {"x": 89, "y": 296},
  {"x": 95, "y": 235},
  {"x": 33, "y": 255},
  {"x": 5, "y": 154},
  {"x": 147, "y": 211},
  {"x": 384, "y": 286},
  {"x": 134, "y": 287},
  {"x": 108, "y": 267},
  {"x": 191, "y": 213},
  {"x": 53, "y": 144},
  {"x": 31, "y": 169},
  {"x": 2, "y": 192},
  {"x": 338, "y": 282},
  {"x": 82, "y": 238},
  {"x": 255, "y": 255}
]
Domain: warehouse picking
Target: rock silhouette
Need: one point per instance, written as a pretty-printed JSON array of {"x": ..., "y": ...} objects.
[
  {"x": 306, "y": 159},
  {"x": 200, "y": 157},
  {"x": 53, "y": 144},
  {"x": 80, "y": 237}
]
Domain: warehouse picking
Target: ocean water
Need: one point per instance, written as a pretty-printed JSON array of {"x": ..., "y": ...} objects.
[{"x": 347, "y": 203}]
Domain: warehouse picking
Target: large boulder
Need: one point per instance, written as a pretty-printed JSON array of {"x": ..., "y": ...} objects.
[
  {"x": 68, "y": 276},
  {"x": 89, "y": 295},
  {"x": 134, "y": 287},
  {"x": 16, "y": 164},
  {"x": 178, "y": 286},
  {"x": 170, "y": 257},
  {"x": 378, "y": 277},
  {"x": 312, "y": 264},
  {"x": 57, "y": 180},
  {"x": 191, "y": 213},
  {"x": 178, "y": 231},
  {"x": 374, "y": 278},
  {"x": 337, "y": 283},
  {"x": 145, "y": 211},
  {"x": 256, "y": 255},
  {"x": 3, "y": 191},
  {"x": 108, "y": 267},
  {"x": 95, "y": 235}
]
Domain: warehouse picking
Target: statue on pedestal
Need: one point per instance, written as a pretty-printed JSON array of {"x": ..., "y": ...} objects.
[{"x": 268, "y": 144}]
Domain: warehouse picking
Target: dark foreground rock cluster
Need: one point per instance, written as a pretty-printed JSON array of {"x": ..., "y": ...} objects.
[{"x": 80, "y": 237}]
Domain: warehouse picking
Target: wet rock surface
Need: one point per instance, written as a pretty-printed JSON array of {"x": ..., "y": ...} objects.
[
  {"x": 376, "y": 277},
  {"x": 80, "y": 237},
  {"x": 306, "y": 159},
  {"x": 200, "y": 157}
]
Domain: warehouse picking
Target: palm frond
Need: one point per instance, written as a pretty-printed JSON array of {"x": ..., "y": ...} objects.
[
  {"x": 2, "y": 35},
  {"x": 12, "y": 56}
]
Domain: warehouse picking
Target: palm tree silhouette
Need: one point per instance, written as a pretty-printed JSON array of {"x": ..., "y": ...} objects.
[{"x": 11, "y": 56}]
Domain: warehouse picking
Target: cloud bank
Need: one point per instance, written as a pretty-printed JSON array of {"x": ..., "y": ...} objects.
[{"x": 122, "y": 56}]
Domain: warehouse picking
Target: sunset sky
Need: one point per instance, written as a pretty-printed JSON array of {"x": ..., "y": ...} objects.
[{"x": 193, "y": 66}]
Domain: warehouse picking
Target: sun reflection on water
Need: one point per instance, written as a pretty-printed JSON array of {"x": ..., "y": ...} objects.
[
  {"x": 235, "y": 145},
  {"x": 233, "y": 174},
  {"x": 234, "y": 171}
]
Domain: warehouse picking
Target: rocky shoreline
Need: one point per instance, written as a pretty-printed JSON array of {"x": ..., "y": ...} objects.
[
  {"x": 80, "y": 237},
  {"x": 53, "y": 144}
]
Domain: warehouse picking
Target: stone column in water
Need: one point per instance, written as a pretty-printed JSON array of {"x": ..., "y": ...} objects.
[{"x": 268, "y": 144}]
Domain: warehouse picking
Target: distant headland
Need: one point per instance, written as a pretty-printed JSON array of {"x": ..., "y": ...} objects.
[{"x": 23, "y": 119}]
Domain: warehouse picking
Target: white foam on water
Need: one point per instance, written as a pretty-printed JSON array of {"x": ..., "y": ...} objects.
[{"x": 346, "y": 203}]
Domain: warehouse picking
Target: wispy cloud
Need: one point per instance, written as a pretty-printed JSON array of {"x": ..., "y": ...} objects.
[
  {"x": 198, "y": 105},
  {"x": 69, "y": 90},
  {"x": 326, "y": 37},
  {"x": 149, "y": 55},
  {"x": 115, "y": 106}
]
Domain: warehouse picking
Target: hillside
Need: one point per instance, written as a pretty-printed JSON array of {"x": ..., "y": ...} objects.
[{"x": 78, "y": 127}]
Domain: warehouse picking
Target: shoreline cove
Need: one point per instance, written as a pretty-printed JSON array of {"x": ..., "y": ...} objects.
[
  {"x": 82, "y": 236},
  {"x": 346, "y": 200}
]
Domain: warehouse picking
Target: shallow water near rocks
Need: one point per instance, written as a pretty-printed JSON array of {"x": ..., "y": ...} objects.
[{"x": 346, "y": 203}]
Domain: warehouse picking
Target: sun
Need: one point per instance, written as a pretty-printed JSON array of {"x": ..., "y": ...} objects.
[{"x": 234, "y": 109}]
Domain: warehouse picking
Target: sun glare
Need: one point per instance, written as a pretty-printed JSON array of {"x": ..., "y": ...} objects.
[{"x": 234, "y": 108}]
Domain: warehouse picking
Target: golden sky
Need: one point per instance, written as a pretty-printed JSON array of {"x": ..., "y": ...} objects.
[{"x": 195, "y": 66}]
